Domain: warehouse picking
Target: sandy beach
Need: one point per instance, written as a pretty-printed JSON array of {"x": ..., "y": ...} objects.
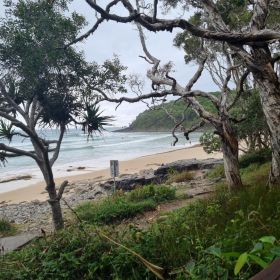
[{"x": 36, "y": 191}]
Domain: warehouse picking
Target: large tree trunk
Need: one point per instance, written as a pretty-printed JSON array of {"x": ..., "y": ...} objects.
[
  {"x": 268, "y": 83},
  {"x": 230, "y": 155}
]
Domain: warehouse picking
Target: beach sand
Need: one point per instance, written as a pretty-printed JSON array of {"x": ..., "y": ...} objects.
[{"x": 36, "y": 191}]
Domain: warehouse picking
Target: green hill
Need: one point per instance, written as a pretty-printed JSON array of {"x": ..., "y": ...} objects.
[{"x": 158, "y": 120}]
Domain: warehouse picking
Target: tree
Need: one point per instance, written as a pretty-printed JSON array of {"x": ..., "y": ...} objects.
[
  {"x": 42, "y": 85},
  {"x": 249, "y": 28},
  {"x": 163, "y": 85},
  {"x": 253, "y": 130}
]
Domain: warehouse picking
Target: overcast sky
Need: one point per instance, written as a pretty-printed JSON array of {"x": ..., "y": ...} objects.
[{"x": 122, "y": 40}]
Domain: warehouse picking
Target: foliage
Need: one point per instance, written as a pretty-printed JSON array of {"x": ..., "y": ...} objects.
[
  {"x": 156, "y": 119},
  {"x": 6, "y": 131},
  {"x": 208, "y": 239},
  {"x": 113, "y": 210},
  {"x": 253, "y": 128},
  {"x": 177, "y": 177},
  {"x": 210, "y": 142},
  {"x": 217, "y": 172},
  {"x": 123, "y": 206},
  {"x": 159, "y": 193},
  {"x": 259, "y": 157},
  {"x": 6, "y": 228},
  {"x": 93, "y": 119},
  {"x": 262, "y": 254}
]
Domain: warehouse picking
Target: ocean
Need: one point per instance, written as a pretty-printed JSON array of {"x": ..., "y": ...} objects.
[{"x": 92, "y": 154}]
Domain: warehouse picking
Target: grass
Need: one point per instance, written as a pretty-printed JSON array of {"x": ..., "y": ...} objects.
[
  {"x": 158, "y": 193},
  {"x": 178, "y": 177},
  {"x": 217, "y": 172},
  {"x": 112, "y": 210},
  {"x": 123, "y": 206},
  {"x": 6, "y": 228},
  {"x": 200, "y": 241},
  {"x": 257, "y": 157}
]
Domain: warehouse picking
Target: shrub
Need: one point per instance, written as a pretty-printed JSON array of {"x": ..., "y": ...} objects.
[
  {"x": 6, "y": 228},
  {"x": 259, "y": 157},
  {"x": 158, "y": 193},
  {"x": 113, "y": 209},
  {"x": 178, "y": 177},
  {"x": 256, "y": 173},
  {"x": 217, "y": 172},
  {"x": 125, "y": 205}
]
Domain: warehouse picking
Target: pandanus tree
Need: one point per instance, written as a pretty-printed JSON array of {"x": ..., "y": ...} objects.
[
  {"x": 43, "y": 85},
  {"x": 250, "y": 29}
]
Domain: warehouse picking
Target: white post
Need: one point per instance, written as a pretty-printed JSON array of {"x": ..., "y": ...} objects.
[{"x": 114, "y": 168}]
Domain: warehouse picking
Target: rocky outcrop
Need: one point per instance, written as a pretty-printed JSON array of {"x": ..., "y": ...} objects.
[
  {"x": 131, "y": 181},
  {"x": 187, "y": 165}
]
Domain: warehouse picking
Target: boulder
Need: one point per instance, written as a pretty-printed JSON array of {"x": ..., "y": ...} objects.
[
  {"x": 129, "y": 182},
  {"x": 186, "y": 165}
]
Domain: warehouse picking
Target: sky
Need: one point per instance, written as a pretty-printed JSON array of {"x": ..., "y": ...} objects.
[{"x": 122, "y": 39}]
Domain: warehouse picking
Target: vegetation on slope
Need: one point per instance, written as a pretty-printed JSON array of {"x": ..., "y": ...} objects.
[
  {"x": 6, "y": 228},
  {"x": 158, "y": 120},
  {"x": 125, "y": 205},
  {"x": 227, "y": 236}
]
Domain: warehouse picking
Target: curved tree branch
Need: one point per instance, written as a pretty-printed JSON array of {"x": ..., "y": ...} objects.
[
  {"x": 16, "y": 151},
  {"x": 249, "y": 38}
]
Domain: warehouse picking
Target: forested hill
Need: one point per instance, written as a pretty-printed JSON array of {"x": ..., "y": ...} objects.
[{"x": 158, "y": 120}]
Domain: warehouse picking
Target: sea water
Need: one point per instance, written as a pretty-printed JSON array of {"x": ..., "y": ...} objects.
[{"x": 80, "y": 151}]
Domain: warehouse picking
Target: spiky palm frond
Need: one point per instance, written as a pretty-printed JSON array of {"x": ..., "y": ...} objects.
[
  {"x": 6, "y": 131},
  {"x": 93, "y": 121}
]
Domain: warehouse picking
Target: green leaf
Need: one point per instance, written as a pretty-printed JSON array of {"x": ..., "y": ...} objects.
[
  {"x": 231, "y": 254},
  {"x": 240, "y": 263},
  {"x": 268, "y": 239},
  {"x": 258, "y": 261},
  {"x": 258, "y": 247},
  {"x": 216, "y": 251},
  {"x": 275, "y": 251}
]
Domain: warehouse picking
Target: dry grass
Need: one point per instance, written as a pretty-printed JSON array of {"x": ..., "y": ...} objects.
[{"x": 180, "y": 177}]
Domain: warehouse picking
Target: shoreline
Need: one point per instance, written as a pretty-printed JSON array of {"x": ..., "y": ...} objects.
[{"x": 37, "y": 191}]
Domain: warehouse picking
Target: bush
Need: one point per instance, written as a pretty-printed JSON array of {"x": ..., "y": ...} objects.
[
  {"x": 217, "y": 172},
  {"x": 178, "y": 177},
  {"x": 259, "y": 157},
  {"x": 158, "y": 193},
  {"x": 6, "y": 228},
  {"x": 113, "y": 209},
  {"x": 125, "y": 205}
]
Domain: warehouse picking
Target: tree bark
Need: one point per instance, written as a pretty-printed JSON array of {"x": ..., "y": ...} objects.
[
  {"x": 56, "y": 213},
  {"x": 230, "y": 155},
  {"x": 268, "y": 83},
  {"x": 54, "y": 199}
]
